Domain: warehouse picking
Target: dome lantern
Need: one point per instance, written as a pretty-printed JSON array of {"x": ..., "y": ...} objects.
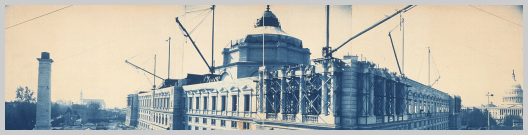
[{"x": 268, "y": 19}]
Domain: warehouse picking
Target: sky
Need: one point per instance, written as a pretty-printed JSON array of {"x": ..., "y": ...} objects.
[{"x": 474, "y": 48}]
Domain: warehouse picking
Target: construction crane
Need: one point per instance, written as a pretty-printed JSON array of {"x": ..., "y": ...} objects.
[
  {"x": 328, "y": 51},
  {"x": 186, "y": 34},
  {"x": 137, "y": 67},
  {"x": 429, "y": 69}
]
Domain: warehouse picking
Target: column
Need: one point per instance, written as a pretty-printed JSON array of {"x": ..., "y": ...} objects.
[
  {"x": 152, "y": 100},
  {"x": 262, "y": 77},
  {"x": 301, "y": 90},
  {"x": 405, "y": 101},
  {"x": 282, "y": 75},
  {"x": 333, "y": 96},
  {"x": 200, "y": 106},
  {"x": 193, "y": 103},
  {"x": 228, "y": 105},
  {"x": 394, "y": 114},
  {"x": 383, "y": 93},
  {"x": 371, "y": 91},
  {"x": 240, "y": 100},
  {"x": 362, "y": 108},
  {"x": 419, "y": 105},
  {"x": 411, "y": 107},
  {"x": 324, "y": 89},
  {"x": 209, "y": 102}
]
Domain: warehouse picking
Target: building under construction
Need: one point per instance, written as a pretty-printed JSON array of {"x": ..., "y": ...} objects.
[{"x": 268, "y": 82}]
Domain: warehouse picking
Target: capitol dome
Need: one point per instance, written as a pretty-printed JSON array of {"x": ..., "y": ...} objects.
[{"x": 514, "y": 94}]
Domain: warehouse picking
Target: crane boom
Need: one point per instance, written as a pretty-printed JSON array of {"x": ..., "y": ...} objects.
[
  {"x": 126, "y": 61},
  {"x": 327, "y": 52},
  {"x": 211, "y": 69},
  {"x": 396, "y": 56}
]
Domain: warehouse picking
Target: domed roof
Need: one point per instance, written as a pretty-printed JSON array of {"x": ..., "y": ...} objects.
[
  {"x": 269, "y": 26},
  {"x": 514, "y": 84},
  {"x": 514, "y": 94},
  {"x": 268, "y": 19}
]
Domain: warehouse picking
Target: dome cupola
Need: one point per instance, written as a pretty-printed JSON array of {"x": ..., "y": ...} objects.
[
  {"x": 268, "y": 19},
  {"x": 514, "y": 94},
  {"x": 265, "y": 45}
]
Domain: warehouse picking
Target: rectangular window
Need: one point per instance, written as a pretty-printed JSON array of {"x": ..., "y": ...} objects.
[
  {"x": 246, "y": 125},
  {"x": 246, "y": 102},
  {"x": 197, "y": 103},
  {"x": 212, "y": 129},
  {"x": 190, "y": 119},
  {"x": 223, "y": 103},
  {"x": 222, "y": 123},
  {"x": 205, "y": 103},
  {"x": 213, "y": 122},
  {"x": 196, "y": 128},
  {"x": 233, "y": 103},
  {"x": 233, "y": 124},
  {"x": 190, "y": 103},
  {"x": 213, "y": 103},
  {"x": 189, "y": 127},
  {"x": 205, "y": 121},
  {"x": 204, "y": 128},
  {"x": 196, "y": 120}
]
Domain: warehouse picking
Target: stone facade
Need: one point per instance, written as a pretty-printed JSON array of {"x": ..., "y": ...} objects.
[
  {"x": 290, "y": 92},
  {"x": 157, "y": 109}
]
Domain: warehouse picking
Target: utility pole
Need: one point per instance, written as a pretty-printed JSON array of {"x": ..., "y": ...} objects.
[
  {"x": 429, "y": 67},
  {"x": 168, "y": 72},
  {"x": 487, "y": 108}
]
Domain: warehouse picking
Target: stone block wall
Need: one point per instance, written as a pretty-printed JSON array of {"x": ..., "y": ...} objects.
[{"x": 349, "y": 93}]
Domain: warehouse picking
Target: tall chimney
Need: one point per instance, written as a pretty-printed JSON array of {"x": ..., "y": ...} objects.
[{"x": 43, "y": 121}]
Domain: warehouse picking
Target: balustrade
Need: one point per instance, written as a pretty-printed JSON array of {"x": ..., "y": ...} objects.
[
  {"x": 379, "y": 119},
  {"x": 310, "y": 118},
  {"x": 288, "y": 117},
  {"x": 271, "y": 116}
]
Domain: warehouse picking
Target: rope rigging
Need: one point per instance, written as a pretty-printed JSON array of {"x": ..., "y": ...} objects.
[
  {"x": 205, "y": 17},
  {"x": 38, "y": 17},
  {"x": 438, "y": 72}
]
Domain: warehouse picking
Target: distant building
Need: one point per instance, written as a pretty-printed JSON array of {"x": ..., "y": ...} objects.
[
  {"x": 70, "y": 117},
  {"x": 292, "y": 92},
  {"x": 512, "y": 103},
  {"x": 64, "y": 103},
  {"x": 83, "y": 101},
  {"x": 132, "y": 110}
]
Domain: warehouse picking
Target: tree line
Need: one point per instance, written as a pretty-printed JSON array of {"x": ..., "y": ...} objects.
[
  {"x": 21, "y": 113},
  {"x": 478, "y": 118}
]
